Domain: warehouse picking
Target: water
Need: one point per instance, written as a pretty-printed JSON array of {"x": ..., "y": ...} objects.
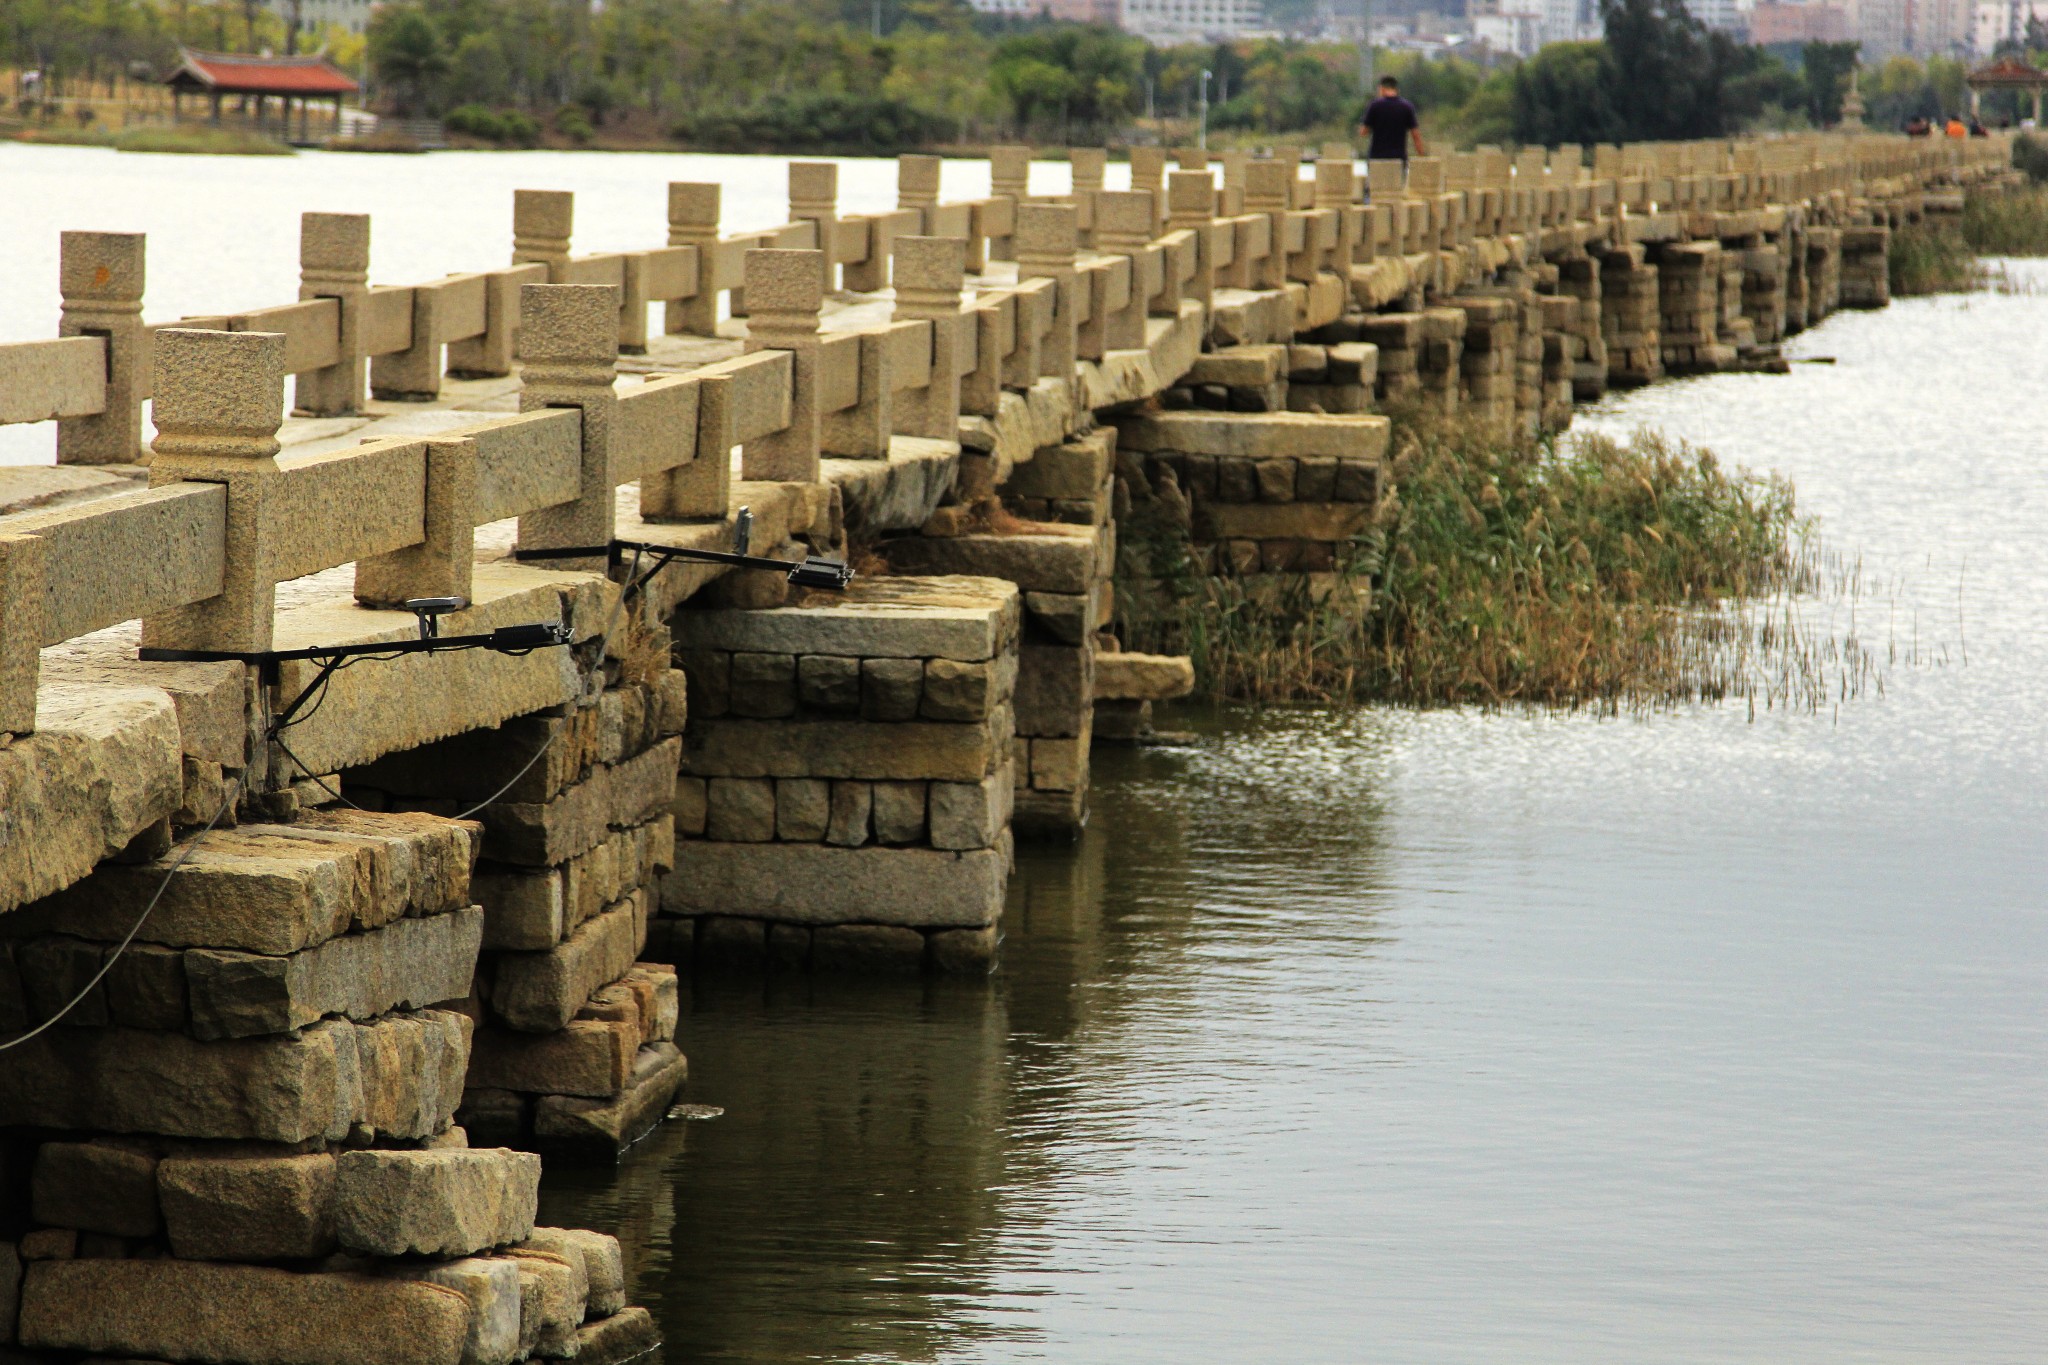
[
  {"x": 1444, "y": 1036},
  {"x": 1456, "y": 1036}
]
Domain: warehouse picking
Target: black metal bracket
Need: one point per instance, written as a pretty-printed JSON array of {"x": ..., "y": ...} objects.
[
  {"x": 809, "y": 572},
  {"x": 503, "y": 640}
]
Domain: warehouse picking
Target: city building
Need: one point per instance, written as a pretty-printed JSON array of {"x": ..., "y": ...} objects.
[
  {"x": 1772, "y": 22},
  {"x": 312, "y": 16},
  {"x": 1179, "y": 21}
]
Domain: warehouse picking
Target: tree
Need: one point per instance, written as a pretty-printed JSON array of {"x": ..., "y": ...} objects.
[
  {"x": 1825, "y": 68},
  {"x": 409, "y": 57},
  {"x": 1563, "y": 94}
]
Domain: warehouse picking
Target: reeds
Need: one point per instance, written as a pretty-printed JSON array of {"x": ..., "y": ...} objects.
[
  {"x": 1506, "y": 568},
  {"x": 1932, "y": 258},
  {"x": 2010, "y": 224}
]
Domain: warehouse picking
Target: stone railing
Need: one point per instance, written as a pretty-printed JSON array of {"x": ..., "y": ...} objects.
[{"x": 198, "y": 554}]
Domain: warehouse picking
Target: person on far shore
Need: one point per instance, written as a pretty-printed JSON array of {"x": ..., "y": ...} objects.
[{"x": 1390, "y": 123}]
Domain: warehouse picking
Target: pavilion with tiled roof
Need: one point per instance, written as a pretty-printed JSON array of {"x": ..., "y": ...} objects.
[
  {"x": 218, "y": 75},
  {"x": 2007, "y": 73}
]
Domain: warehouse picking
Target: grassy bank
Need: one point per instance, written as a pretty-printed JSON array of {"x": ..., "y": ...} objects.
[
  {"x": 181, "y": 138},
  {"x": 1501, "y": 568},
  {"x": 1942, "y": 256}
]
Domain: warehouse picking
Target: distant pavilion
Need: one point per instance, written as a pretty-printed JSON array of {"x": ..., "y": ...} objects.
[
  {"x": 2007, "y": 73},
  {"x": 215, "y": 76}
]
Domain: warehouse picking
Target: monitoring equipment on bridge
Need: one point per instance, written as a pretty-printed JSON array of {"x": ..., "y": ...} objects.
[
  {"x": 516, "y": 640},
  {"x": 812, "y": 571}
]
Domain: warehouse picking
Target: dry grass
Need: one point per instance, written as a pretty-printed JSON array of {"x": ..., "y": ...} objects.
[{"x": 1588, "y": 572}]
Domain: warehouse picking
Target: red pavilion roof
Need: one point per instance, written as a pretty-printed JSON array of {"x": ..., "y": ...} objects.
[
  {"x": 2007, "y": 71},
  {"x": 234, "y": 74}
]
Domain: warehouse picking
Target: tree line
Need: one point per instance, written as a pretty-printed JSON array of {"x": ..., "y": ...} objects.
[{"x": 885, "y": 75}]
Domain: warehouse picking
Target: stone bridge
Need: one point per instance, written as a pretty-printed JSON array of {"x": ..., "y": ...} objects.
[{"x": 314, "y": 933}]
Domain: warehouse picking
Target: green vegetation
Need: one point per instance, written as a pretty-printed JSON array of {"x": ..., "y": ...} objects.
[
  {"x": 197, "y": 139},
  {"x": 1941, "y": 256},
  {"x": 1502, "y": 568},
  {"x": 107, "y": 48}
]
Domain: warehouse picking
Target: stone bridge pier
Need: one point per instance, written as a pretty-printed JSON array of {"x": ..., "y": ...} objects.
[{"x": 315, "y": 933}]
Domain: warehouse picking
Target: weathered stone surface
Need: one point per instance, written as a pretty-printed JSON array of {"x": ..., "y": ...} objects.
[
  {"x": 1143, "y": 677},
  {"x": 1068, "y": 617},
  {"x": 613, "y": 1340},
  {"x": 237, "y": 1208},
  {"x": 950, "y": 618},
  {"x": 967, "y": 815},
  {"x": 10, "y": 1290},
  {"x": 820, "y": 884},
  {"x": 540, "y": 992},
  {"x": 493, "y": 1290},
  {"x": 899, "y": 812},
  {"x": 268, "y": 888},
  {"x": 1049, "y": 558},
  {"x": 628, "y": 793},
  {"x": 590, "y": 1057},
  {"x": 958, "y": 691},
  {"x": 562, "y": 1291},
  {"x": 106, "y": 1187},
  {"x": 434, "y": 1203},
  {"x": 522, "y": 909},
  {"x": 890, "y": 689},
  {"x": 1258, "y": 436},
  {"x": 903, "y": 751},
  {"x": 1324, "y": 521},
  {"x": 869, "y": 949},
  {"x": 410, "y": 964},
  {"x": 610, "y": 1126},
  {"x": 604, "y": 1264},
  {"x": 198, "y": 1310},
  {"x": 401, "y": 1076},
  {"x": 963, "y": 952},
  {"x": 803, "y": 808},
  {"x": 1076, "y": 469},
  {"x": 852, "y": 812},
  {"x": 1055, "y": 688}
]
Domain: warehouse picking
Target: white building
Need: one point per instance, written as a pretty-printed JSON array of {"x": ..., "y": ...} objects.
[
  {"x": 1181, "y": 21},
  {"x": 314, "y": 15}
]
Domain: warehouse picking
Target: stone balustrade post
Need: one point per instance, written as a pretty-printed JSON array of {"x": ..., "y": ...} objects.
[
  {"x": 1190, "y": 159},
  {"x": 218, "y": 402},
  {"x": 1232, "y": 198},
  {"x": 1148, "y": 173},
  {"x": 21, "y": 631},
  {"x": 442, "y": 564},
  {"x": 568, "y": 354},
  {"x": 1088, "y": 164},
  {"x": 693, "y": 221},
  {"x": 1125, "y": 220},
  {"x": 1009, "y": 170},
  {"x": 1337, "y": 191},
  {"x": 785, "y": 290},
  {"x": 100, "y": 275},
  {"x": 917, "y": 186},
  {"x": 929, "y": 274},
  {"x": 814, "y": 198},
  {"x": 334, "y": 263},
  {"x": 413, "y": 375},
  {"x": 542, "y": 223},
  {"x": 1268, "y": 190},
  {"x": 1047, "y": 239},
  {"x": 1191, "y": 204}
]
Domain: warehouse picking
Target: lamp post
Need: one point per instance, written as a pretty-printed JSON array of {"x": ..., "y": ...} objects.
[
  {"x": 1365, "y": 72},
  {"x": 1202, "y": 136}
]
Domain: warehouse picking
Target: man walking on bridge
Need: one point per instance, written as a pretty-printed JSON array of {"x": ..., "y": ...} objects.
[{"x": 1391, "y": 122}]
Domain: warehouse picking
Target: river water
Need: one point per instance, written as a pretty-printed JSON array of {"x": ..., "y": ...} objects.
[{"x": 1453, "y": 1035}]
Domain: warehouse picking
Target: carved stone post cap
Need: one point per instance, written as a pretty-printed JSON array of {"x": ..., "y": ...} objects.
[
  {"x": 569, "y": 323},
  {"x": 1191, "y": 158},
  {"x": 930, "y": 264},
  {"x": 693, "y": 203},
  {"x": 918, "y": 175},
  {"x": 1426, "y": 175},
  {"x": 783, "y": 281},
  {"x": 1124, "y": 214},
  {"x": 100, "y": 265},
  {"x": 1148, "y": 164},
  {"x": 1335, "y": 179},
  {"x": 218, "y": 393},
  {"x": 543, "y": 213},
  {"x": 1190, "y": 194},
  {"x": 1009, "y": 163},
  {"x": 813, "y": 182},
  {"x": 334, "y": 241},
  {"x": 1268, "y": 182},
  {"x": 1047, "y": 231},
  {"x": 1088, "y": 164}
]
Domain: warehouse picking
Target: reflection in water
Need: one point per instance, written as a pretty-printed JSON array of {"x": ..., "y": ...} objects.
[{"x": 1460, "y": 1035}]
